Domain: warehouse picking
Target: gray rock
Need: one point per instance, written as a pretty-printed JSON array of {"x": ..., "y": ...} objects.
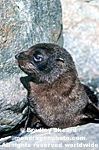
[
  {"x": 81, "y": 38},
  {"x": 78, "y": 138},
  {"x": 23, "y": 23}
]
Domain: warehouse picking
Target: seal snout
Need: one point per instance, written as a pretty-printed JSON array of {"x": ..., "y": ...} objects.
[{"x": 17, "y": 56}]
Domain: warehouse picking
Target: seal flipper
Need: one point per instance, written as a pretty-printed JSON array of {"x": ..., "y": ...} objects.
[
  {"x": 93, "y": 110},
  {"x": 91, "y": 95},
  {"x": 91, "y": 114}
]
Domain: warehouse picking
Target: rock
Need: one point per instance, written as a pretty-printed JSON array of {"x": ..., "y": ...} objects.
[
  {"x": 23, "y": 23},
  {"x": 78, "y": 138},
  {"x": 81, "y": 38}
]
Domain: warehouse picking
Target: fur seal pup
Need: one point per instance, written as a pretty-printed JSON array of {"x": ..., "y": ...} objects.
[{"x": 56, "y": 96}]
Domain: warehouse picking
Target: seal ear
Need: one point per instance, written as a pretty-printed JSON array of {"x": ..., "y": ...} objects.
[{"x": 60, "y": 60}]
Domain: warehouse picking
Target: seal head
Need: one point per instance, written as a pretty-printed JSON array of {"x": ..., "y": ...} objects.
[{"x": 45, "y": 62}]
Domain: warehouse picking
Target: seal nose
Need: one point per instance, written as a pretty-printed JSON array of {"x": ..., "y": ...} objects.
[{"x": 16, "y": 56}]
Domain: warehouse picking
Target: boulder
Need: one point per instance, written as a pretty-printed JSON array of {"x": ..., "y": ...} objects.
[
  {"x": 81, "y": 38},
  {"x": 23, "y": 23}
]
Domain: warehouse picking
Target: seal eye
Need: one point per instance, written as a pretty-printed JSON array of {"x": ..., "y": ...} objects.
[{"x": 37, "y": 57}]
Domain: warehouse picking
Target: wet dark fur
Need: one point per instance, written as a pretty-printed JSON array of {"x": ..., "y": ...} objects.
[{"x": 56, "y": 96}]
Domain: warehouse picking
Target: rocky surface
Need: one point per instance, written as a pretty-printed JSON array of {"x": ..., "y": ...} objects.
[
  {"x": 23, "y": 23},
  {"x": 81, "y": 38},
  {"x": 78, "y": 138},
  {"x": 81, "y": 32}
]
